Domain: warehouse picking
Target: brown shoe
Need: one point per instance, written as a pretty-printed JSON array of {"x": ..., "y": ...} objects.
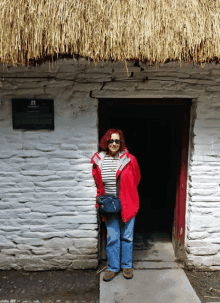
[
  {"x": 127, "y": 273},
  {"x": 109, "y": 275}
]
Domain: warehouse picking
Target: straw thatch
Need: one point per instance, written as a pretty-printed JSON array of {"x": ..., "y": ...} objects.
[{"x": 152, "y": 30}]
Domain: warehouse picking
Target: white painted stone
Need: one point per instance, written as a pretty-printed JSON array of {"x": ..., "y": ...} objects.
[
  {"x": 18, "y": 190},
  {"x": 204, "y": 221},
  {"x": 214, "y": 230},
  {"x": 202, "y": 243},
  {"x": 51, "y": 177},
  {"x": 88, "y": 226},
  {"x": 41, "y": 208},
  {"x": 82, "y": 257},
  {"x": 6, "y": 243},
  {"x": 85, "y": 243},
  {"x": 200, "y": 260},
  {"x": 89, "y": 192},
  {"x": 18, "y": 196},
  {"x": 214, "y": 240},
  {"x": 201, "y": 185},
  {"x": 39, "y": 160},
  {"x": 58, "y": 243},
  {"x": 76, "y": 264},
  {"x": 205, "y": 199},
  {"x": 27, "y": 222},
  {"x": 12, "y": 251},
  {"x": 81, "y": 167},
  {"x": 71, "y": 219},
  {"x": 4, "y": 205},
  {"x": 211, "y": 170},
  {"x": 29, "y": 154},
  {"x": 215, "y": 260},
  {"x": 214, "y": 235},
  {"x": 211, "y": 205},
  {"x": 60, "y": 167},
  {"x": 86, "y": 183},
  {"x": 201, "y": 211},
  {"x": 48, "y": 196},
  {"x": 43, "y": 235},
  {"x": 79, "y": 208},
  {"x": 197, "y": 235},
  {"x": 205, "y": 158},
  {"x": 7, "y": 184},
  {"x": 8, "y": 214},
  {"x": 63, "y": 213},
  {"x": 32, "y": 215},
  {"x": 68, "y": 175},
  {"x": 85, "y": 146},
  {"x": 45, "y": 147},
  {"x": 55, "y": 227},
  {"x": 82, "y": 234},
  {"x": 64, "y": 146},
  {"x": 91, "y": 250},
  {"x": 7, "y": 261},
  {"x": 10, "y": 228},
  {"x": 34, "y": 167},
  {"x": 41, "y": 251},
  {"x": 200, "y": 251},
  {"x": 31, "y": 241},
  {"x": 7, "y": 153},
  {"x": 56, "y": 183},
  {"x": 203, "y": 192},
  {"x": 68, "y": 202},
  {"x": 82, "y": 175}
]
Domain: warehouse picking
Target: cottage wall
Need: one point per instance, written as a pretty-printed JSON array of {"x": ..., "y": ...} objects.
[{"x": 47, "y": 194}]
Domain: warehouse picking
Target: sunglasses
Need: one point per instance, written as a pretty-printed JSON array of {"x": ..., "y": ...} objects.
[{"x": 116, "y": 141}]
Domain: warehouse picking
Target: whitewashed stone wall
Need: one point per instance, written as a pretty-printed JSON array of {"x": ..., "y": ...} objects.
[
  {"x": 47, "y": 207},
  {"x": 47, "y": 193}
]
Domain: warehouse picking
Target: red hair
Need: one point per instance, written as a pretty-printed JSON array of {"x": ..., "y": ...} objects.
[{"x": 107, "y": 136}]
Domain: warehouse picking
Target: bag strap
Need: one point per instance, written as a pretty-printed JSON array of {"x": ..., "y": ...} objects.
[{"x": 117, "y": 186}]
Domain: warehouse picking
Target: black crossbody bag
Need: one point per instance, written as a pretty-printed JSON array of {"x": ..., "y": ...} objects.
[{"x": 108, "y": 204}]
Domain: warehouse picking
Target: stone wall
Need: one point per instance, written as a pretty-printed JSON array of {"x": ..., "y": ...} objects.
[
  {"x": 47, "y": 193},
  {"x": 47, "y": 214}
]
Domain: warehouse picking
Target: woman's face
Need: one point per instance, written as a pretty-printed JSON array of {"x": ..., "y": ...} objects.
[{"x": 114, "y": 147}]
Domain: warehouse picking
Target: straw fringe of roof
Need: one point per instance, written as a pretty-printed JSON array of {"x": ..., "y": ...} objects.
[{"x": 153, "y": 30}]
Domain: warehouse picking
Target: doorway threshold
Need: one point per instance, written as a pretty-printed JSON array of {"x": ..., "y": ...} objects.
[{"x": 153, "y": 251}]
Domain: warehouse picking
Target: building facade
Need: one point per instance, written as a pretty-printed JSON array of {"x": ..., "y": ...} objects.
[{"x": 47, "y": 193}]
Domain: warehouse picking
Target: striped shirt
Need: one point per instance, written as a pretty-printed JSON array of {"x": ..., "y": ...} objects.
[{"x": 109, "y": 174}]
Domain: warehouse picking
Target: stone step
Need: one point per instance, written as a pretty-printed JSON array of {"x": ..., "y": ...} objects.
[
  {"x": 160, "y": 251},
  {"x": 151, "y": 286},
  {"x": 154, "y": 265}
]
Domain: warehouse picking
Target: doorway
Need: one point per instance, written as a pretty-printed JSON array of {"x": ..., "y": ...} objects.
[{"x": 156, "y": 132}]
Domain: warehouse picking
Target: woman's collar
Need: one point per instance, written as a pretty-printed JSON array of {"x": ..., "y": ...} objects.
[{"x": 104, "y": 152}]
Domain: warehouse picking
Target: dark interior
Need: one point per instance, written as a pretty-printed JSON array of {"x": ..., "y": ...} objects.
[{"x": 153, "y": 135}]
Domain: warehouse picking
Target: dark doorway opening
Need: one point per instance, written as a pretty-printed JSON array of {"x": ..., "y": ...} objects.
[{"x": 153, "y": 130}]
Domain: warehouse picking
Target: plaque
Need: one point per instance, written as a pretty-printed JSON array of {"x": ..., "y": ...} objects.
[{"x": 33, "y": 114}]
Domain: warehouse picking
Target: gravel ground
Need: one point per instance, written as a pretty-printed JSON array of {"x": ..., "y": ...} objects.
[
  {"x": 206, "y": 284},
  {"x": 55, "y": 286},
  {"x": 82, "y": 286}
]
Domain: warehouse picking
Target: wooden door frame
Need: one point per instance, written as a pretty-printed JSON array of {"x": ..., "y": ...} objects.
[
  {"x": 178, "y": 238},
  {"x": 178, "y": 235}
]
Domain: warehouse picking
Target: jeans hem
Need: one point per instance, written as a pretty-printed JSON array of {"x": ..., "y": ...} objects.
[{"x": 113, "y": 270}]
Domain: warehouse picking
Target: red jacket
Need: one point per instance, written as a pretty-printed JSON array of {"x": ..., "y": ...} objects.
[{"x": 127, "y": 180}]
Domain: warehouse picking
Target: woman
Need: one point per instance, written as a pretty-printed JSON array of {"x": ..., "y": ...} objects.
[{"x": 116, "y": 172}]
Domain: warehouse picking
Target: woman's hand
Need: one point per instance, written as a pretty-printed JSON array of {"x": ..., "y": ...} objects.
[{"x": 103, "y": 218}]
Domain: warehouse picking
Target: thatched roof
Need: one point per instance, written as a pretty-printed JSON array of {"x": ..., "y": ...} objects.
[{"x": 144, "y": 30}]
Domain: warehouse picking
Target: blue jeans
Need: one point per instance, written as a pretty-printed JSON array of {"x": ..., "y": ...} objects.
[{"x": 119, "y": 245}]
